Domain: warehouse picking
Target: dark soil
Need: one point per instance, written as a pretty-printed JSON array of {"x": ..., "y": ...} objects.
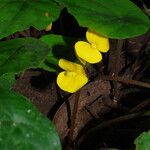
[{"x": 102, "y": 99}]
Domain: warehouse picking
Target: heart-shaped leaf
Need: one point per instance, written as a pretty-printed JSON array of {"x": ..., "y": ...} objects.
[
  {"x": 20, "y": 54},
  {"x": 18, "y": 15},
  {"x": 61, "y": 47},
  {"x": 22, "y": 127},
  {"x": 113, "y": 18}
]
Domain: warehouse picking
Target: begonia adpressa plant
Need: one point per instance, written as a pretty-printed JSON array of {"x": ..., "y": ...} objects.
[
  {"x": 74, "y": 76},
  {"x": 29, "y": 41}
]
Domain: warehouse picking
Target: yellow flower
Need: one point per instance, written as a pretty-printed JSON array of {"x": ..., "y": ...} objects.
[
  {"x": 73, "y": 78},
  {"x": 90, "y": 52}
]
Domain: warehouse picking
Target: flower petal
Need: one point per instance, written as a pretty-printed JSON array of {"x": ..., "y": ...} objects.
[
  {"x": 70, "y": 66},
  {"x": 71, "y": 81},
  {"x": 86, "y": 52},
  {"x": 101, "y": 42}
]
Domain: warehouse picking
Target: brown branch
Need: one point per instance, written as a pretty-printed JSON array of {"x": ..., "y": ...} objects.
[
  {"x": 140, "y": 106},
  {"x": 117, "y": 57},
  {"x": 116, "y": 66},
  {"x": 116, "y": 120},
  {"x": 126, "y": 80}
]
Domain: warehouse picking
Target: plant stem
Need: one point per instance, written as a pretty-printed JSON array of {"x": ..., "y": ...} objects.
[
  {"x": 126, "y": 80},
  {"x": 117, "y": 56},
  {"x": 117, "y": 66},
  {"x": 73, "y": 118}
]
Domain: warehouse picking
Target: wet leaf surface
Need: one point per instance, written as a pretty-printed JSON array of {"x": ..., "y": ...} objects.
[
  {"x": 20, "y": 123},
  {"x": 26, "y": 13}
]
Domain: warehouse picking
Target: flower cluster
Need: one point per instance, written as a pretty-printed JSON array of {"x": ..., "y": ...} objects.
[{"x": 74, "y": 76}]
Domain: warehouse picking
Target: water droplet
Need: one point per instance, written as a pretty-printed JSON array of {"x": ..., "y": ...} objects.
[
  {"x": 47, "y": 14},
  {"x": 27, "y": 135},
  {"x": 14, "y": 124},
  {"x": 29, "y": 110}
]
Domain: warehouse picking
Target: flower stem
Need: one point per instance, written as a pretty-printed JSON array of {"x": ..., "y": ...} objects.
[
  {"x": 116, "y": 66},
  {"x": 73, "y": 118}
]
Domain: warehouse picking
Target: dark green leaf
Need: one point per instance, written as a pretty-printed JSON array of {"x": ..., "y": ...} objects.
[
  {"x": 61, "y": 47},
  {"x": 7, "y": 81},
  {"x": 20, "y": 54},
  {"x": 113, "y": 18},
  {"x": 18, "y": 15},
  {"x": 143, "y": 141},
  {"x": 22, "y": 127}
]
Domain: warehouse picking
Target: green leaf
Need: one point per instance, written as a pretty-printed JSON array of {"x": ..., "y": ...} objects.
[
  {"x": 7, "y": 81},
  {"x": 143, "y": 141},
  {"x": 113, "y": 18},
  {"x": 61, "y": 47},
  {"x": 50, "y": 64},
  {"x": 20, "y": 54},
  {"x": 22, "y": 127},
  {"x": 18, "y": 15}
]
